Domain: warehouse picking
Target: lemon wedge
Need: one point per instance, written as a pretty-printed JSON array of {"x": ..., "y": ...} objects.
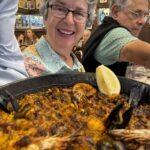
[{"x": 108, "y": 83}]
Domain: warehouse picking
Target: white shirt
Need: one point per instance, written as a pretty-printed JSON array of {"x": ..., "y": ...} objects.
[{"x": 11, "y": 60}]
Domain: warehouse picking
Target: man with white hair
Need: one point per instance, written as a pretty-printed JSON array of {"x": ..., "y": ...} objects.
[
  {"x": 115, "y": 42},
  {"x": 11, "y": 61}
]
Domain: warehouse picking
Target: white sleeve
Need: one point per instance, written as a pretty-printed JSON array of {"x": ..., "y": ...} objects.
[{"x": 11, "y": 59}]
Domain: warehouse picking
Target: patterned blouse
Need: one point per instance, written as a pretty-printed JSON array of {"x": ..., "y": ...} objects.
[{"x": 41, "y": 59}]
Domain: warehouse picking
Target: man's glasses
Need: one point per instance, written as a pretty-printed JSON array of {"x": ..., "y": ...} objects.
[
  {"x": 61, "y": 12},
  {"x": 138, "y": 15}
]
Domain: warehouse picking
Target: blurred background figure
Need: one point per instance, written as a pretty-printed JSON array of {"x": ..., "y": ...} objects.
[
  {"x": 86, "y": 36},
  {"x": 30, "y": 37},
  {"x": 20, "y": 39},
  {"x": 78, "y": 49},
  {"x": 21, "y": 42}
]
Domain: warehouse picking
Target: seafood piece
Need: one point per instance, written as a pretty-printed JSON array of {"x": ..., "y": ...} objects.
[
  {"x": 52, "y": 143},
  {"x": 22, "y": 112},
  {"x": 81, "y": 90},
  {"x": 118, "y": 119},
  {"x": 136, "y": 95},
  {"x": 115, "y": 118},
  {"x": 49, "y": 143},
  {"x": 141, "y": 136},
  {"x": 113, "y": 145},
  {"x": 7, "y": 98}
]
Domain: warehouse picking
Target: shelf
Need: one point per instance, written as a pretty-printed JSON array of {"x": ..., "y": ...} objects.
[
  {"x": 26, "y": 16},
  {"x": 28, "y": 11},
  {"x": 35, "y": 30},
  {"x": 103, "y": 5}
]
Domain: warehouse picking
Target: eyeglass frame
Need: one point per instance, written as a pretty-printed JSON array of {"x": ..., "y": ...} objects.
[
  {"x": 139, "y": 15},
  {"x": 67, "y": 11}
]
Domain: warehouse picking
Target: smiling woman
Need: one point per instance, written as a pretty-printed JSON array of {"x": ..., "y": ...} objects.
[{"x": 65, "y": 21}]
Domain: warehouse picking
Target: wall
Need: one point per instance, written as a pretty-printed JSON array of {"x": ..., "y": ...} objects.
[{"x": 145, "y": 33}]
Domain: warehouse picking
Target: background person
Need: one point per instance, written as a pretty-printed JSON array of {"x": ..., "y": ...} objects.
[
  {"x": 30, "y": 37},
  {"x": 78, "y": 49},
  {"x": 11, "y": 61},
  {"x": 20, "y": 39},
  {"x": 65, "y": 21},
  {"x": 115, "y": 42},
  {"x": 86, "y": 35}
]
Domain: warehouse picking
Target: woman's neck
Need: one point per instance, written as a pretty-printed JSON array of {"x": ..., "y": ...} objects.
[{"x": 64, "y": 54}]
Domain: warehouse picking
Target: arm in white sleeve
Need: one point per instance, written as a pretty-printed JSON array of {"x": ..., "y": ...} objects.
[{"x": 11, "y": 60}]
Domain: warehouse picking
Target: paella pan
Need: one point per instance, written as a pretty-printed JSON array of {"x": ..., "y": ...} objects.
[{"x": 66, "y": 111}]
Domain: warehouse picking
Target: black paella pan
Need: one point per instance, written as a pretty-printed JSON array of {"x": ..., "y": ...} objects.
[{"x": 29, "y": 85}]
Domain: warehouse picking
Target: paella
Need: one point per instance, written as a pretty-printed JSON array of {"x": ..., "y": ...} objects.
[{"x": 67, "y": 118}]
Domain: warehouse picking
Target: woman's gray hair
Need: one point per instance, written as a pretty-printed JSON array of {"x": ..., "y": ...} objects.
[{"x": 92, "y": 4}]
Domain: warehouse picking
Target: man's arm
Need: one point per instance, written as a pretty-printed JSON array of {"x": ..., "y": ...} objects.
[
  {"x": 109, "y": 50},
  {"x": 137, "y": 52},
  {"x": 11, "y": 60}
]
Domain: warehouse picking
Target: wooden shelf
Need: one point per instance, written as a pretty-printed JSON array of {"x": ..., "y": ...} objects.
[
  {"x": 103, "y": 5},
  {"x": 40, "y": 29},
  {"x": 23, "y": 11},
  {"x": 28, "y": 11}
]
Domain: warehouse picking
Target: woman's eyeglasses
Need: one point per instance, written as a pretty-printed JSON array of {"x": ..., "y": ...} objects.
[
  {"x": 139, "y": 15},
  {"x": 62, "y": 12}
]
